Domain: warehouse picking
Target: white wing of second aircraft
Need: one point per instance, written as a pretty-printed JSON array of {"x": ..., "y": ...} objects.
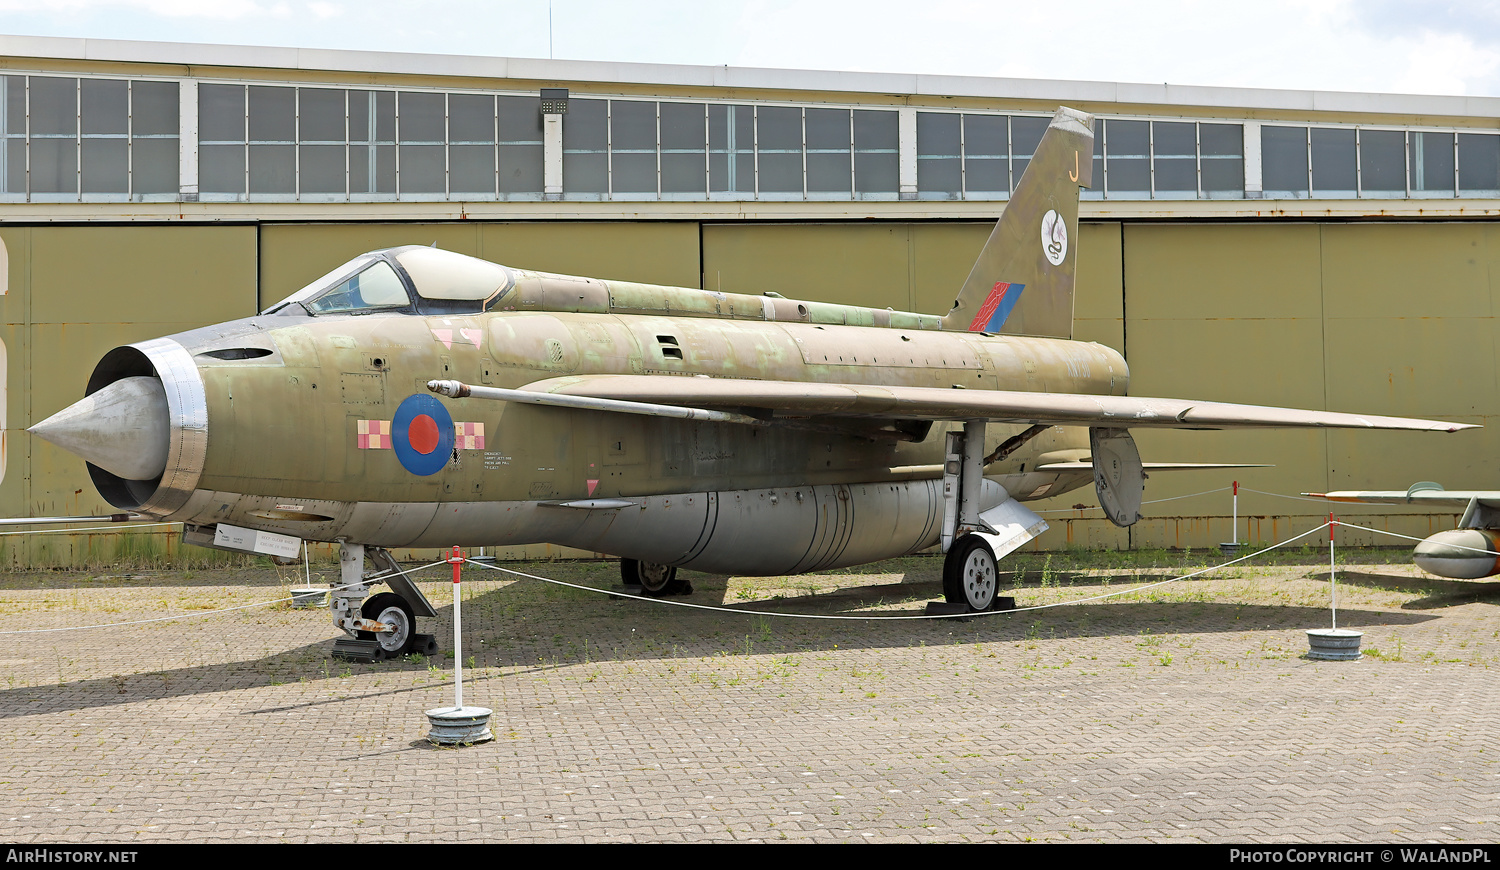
[{"x": 1423, "y": 494}]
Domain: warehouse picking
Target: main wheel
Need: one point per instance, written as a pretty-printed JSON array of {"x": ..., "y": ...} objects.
[
  {"x": 655, "y": 580},
  {"x": 392, "y": 610},
  {"x": 970, "y": 575}
]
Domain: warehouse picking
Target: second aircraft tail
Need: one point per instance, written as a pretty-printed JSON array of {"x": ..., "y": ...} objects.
[{"x": 1022, "y": 283}]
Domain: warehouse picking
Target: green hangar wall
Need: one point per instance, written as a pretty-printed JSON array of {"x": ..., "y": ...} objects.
[{"x": 1385, "y": 318}]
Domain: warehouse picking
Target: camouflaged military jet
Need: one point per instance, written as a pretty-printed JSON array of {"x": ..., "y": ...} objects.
[{"x": 418, "y": 398}]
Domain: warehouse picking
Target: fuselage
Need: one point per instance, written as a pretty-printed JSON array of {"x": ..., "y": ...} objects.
[{"x": 283, "y": 422}]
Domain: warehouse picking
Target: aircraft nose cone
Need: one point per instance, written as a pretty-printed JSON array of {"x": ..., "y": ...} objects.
[
  {"x": 122, "y": 428},
  {"x": 1459, "y": 554}
]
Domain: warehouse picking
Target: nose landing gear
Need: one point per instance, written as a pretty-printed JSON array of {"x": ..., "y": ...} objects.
[{"x": 386, "y": 627}]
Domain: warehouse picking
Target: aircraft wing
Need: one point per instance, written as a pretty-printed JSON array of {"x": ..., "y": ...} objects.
[
  {"x": 799, "y": 399},
  {"x": 1421, "y": 498}
]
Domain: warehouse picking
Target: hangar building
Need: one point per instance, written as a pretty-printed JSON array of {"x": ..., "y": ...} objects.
[{"x": 1323, "y": 250}]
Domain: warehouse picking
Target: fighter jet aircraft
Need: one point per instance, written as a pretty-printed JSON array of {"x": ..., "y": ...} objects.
[
  {"x": 1469, "y": 552},
  {"x": 418, "y": 398}
]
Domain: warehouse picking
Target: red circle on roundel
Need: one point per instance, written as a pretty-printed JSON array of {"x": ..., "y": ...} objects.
[{"x": 422, "y": 432}]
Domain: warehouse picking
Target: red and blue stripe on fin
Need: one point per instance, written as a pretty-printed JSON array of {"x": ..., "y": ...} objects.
[{"x": 997, "y": 307}]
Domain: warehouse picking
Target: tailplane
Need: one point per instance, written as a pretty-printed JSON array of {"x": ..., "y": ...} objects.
[{"x": 1022, "y": 283}]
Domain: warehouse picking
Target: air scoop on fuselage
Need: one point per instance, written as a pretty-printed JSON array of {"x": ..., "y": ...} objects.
[{"x": 122, "y": 428}]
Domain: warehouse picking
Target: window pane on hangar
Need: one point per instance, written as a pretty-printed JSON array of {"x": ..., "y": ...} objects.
[
  {"x": 221, "y": 168},
  {"x": 632, "y": 143},
  {"x": 273, "y": 114},
  {"x": 471, "y": 144},
  {"x": 830, "y": 167},
  {"x": 13, "y": 134},
  {"x": 15, "y": 106},
  {"x": 1025, "y": 135},
  {"x": 778, "y": 141},
  {"x": 54, "y": 166},
  {"x": 1127, "y": 152},
  {"x": 221, "y": 137},
  {"x": 104, "y": 121},
  {"x": 15, "y": 165},
  {"x": 1333, "y": 162},
  {"x": 273, "y": 169},
  {"x": 104, "y": 106},
  {"x": 731, "y": 146},
  {"x": 53, "y": 106},
  {"x": 876, "y": 152},
  {"x": 321, "y": 169},
  {"x": 986, "y": 155},
  {"x": 420, "y": 117},
  {"x": 585, "y": 147},
  {"x": 1382, "y": 162},
  {"x": 321, "y": 114},
  {"x": 939, "y": 155},
  {"x": 684, "y": 163},
  {"x": 372, "y": 119},
  {"x": 471, "y": 169},
  {"x": 1174, "y": 158},
  {"x": 1479, "y": 164},
  {"x": 105, "y": 165},
  {"x": 1221, "y": 160},
  {"x": 421, "y": 122},
  {"x": 471, "y": 119},
  {"x": 1431, "y": 163},
  {"x": 221, "y": 113},
  {"x": 154, "y": 166},
  {"x": 1284, "y": 161},
  {"x": 273, "y": 130},
  {"x": 518, "y": 122},
  {"x": 154, "y": 109}
]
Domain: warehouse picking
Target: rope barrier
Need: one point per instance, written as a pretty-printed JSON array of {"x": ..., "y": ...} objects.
[
  {"x": 116, "y": 527},
  {"x": 1091, "y": 507},
  {"x": 1410, "y": 538},
  {"x": 861, "y": 618},
  {"x": 746, "y": 612}
]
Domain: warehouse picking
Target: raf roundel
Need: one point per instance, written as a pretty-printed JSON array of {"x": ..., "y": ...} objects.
[{"x": 422, "y": 434}]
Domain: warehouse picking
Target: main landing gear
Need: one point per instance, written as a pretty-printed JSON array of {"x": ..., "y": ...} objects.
[
  {"x": 657, "y": 581},
  {"x": 976, "y": 540},
  {"x": 386, "y": 627}
]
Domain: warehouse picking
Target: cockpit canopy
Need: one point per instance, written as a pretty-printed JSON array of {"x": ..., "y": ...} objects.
[{"x": 411, "y": 279}]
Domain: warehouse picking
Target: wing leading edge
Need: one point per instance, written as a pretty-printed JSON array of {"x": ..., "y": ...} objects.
[{"x": 798, "y": 399}]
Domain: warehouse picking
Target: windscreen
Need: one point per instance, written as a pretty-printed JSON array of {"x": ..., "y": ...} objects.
[{"x": 374, "y": 287}]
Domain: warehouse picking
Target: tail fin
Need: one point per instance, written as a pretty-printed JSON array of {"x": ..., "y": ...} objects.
[{"x": 1022, "y": 283}]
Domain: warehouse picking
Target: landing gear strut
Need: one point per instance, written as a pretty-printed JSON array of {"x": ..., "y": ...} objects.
[
  {"x": 976, "y": 539},
  {"x": 386, "y": 624}
]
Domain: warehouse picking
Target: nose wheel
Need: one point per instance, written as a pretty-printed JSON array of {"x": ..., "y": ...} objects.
[{"x": 392, "y": 611}]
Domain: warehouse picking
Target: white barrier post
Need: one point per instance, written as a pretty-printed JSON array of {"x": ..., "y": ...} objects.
[{"x": 458, "y": 725}]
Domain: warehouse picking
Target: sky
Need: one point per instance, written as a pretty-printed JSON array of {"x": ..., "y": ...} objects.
[{"x": 1382, "y": 46}]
